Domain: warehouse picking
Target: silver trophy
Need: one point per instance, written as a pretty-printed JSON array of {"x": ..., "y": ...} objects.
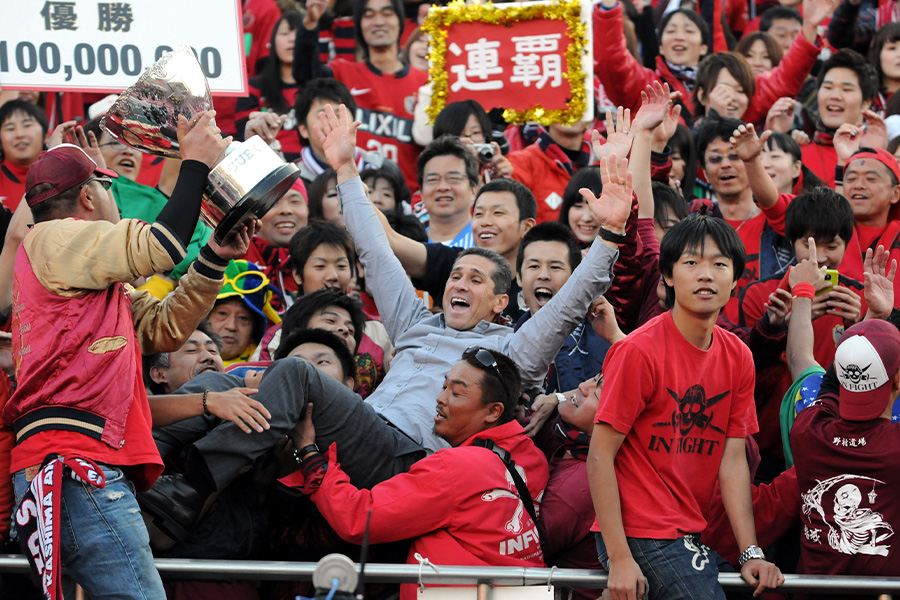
[{"x": 247, "y": 182}]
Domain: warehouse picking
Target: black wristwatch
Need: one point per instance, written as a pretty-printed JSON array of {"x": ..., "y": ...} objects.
[
  {"x": 305, "y": 451},
  {"x": 609, "y": 236}
]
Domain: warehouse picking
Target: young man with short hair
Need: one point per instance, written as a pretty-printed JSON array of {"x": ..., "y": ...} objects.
[
  {"x": 676, "y": 405},
  {"x": 322, "y": 256},
  {"x": 383, "y": 87},
  {"x": 847, "y": 86},
  {"x": 23, "y": 128},
  {"x": 783, "y": 23}
]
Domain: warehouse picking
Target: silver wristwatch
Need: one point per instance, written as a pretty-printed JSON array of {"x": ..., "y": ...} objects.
[{"x": 751, "y": 553}]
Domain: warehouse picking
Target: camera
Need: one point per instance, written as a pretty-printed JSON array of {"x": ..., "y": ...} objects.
[{"x": 484, "y": 152}]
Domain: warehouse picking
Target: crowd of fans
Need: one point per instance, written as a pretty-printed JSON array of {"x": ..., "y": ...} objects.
[{"x": 663, "y": 342}]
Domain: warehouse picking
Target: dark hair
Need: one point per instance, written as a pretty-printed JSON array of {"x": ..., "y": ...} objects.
[
  {"x": 501, "y": 275},
  {"x": 315, "y": 234},
  {"x": 850, "y": 59},
  {"x": 550, "y": 231},
  {"x": 586, "y": 177},
  {"x": 524, "y": 198},
  {"x": 786, "y": 143},
  {"x": 449, "y": 145},
  {"x": 820, "y": 213},
  {"x": 305, "y": 308},
  {"x": 690, "y": 235},
  {"x": 667, "y": 198},
  {"x": 11, "y": 107},
  {"x": 394, "y": 177},
  {"x": 453, "y": 118},
  {"x": 887, "y": 34},
  {"x": 893, "y": 144},
  {"x": 94, "y": 126},
  {"x": 269, "y": 80},
  {"x": 695, "y": 18},
  {"x": 773, "y": 48},
  {"x": 60, "y": 206},
  {"x": 360, "y": 8},
  {"x": 315, "y": 193},
  {"x": 682, "y": 142},
  {"x": 327, "y": 338},
  {"x": 501, "y": 384},
  {"x": 778, "y": 13},
  {"x": 708, "y": 73},
  {"x": 161, "y": 359},
  {"x": 325, "y": 89},
  {"x": 406, "y": 225},
  {"x": 711, "y": 129}
]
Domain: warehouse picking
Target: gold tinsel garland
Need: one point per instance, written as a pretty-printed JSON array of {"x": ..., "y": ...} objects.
[{"x": 459, "y": 12}]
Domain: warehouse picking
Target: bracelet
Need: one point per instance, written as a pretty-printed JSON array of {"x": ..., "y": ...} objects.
[
  {"x": 609, "y": 236},
  {"x": 804, "y": 290},
  {"x": 205, "y": 409},
  {"x": 563, "y": 398},
  {"x": 304, "y": 452}
]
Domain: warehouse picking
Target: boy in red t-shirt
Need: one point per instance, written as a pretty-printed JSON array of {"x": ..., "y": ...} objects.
[{"x": 674, "y": 410}]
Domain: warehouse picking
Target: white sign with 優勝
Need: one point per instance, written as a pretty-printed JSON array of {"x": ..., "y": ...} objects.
[{"x": 103, "y": 46}]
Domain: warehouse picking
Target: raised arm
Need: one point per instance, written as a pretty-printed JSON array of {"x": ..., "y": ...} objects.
[
  {"x": 748, "y": 147},
  {"x": 655, "y": 108},
  {"x": 306, "y": 65},
  {"x": 800, "y": 341},
  {"x": 394, "y": 294},
  {"x": 622, "y": 75}
]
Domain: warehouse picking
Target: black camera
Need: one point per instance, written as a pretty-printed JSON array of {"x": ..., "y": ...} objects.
[{"x": 484, "y": 152}]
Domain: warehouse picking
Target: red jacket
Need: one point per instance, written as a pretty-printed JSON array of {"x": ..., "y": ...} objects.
[
  {"x": 543, "y": 175},
  {"x": 624, "y": 78},
  {"x": 459, "y": 505}
]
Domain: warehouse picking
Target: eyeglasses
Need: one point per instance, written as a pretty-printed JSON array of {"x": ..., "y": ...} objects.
[
  {"x": 115, "y": 144},
  {"x": 242, "y": 284},
  {"x": 106, "y": 182},
  {"x": 717, "y": 158},
  {"x": 487, "y": 361},
  {"x": 476, "y": 137}
]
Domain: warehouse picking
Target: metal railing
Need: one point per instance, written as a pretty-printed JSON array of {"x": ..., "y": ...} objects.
[{"x": 199, "y": 569}]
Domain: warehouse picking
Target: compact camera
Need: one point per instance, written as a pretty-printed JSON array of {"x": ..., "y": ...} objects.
[{"x": 484, "y": 152}]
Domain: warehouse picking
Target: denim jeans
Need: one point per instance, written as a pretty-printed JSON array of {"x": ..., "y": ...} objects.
[
  {"x": 679, "y": 569},
  {"x": 104, "y": 545}
]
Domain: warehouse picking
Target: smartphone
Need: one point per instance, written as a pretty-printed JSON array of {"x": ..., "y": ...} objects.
[{"x": 832, "y": 278}]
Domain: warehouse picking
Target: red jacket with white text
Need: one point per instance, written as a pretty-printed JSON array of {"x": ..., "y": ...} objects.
[{"x": 459, "y": 505}]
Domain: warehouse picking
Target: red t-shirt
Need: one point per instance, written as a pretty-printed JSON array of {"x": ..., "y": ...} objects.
[
  {"x": 675, "y": 404},
  {"x": 749, "y": 231},
  {"x": 385, "y": 104},
  {"x": 138, "y": 456},
  {"x": 847, "y": 474},
  {"x": 12, "y": 184}
]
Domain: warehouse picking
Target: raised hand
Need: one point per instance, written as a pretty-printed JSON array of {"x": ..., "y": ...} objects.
[
  {"x": 655, "y": 106},
  {"x": 264, "y": 124},
  {"x": 618, "y": 136},
  {"x": 338, "y": 136},
  {"x": 723, "y": 99},
  {"x": 201, "y": 139},
  {"x": 237, "y": 242},
  {"x": 846, "y": 141},
  {"x": 314, "y": 11},
  {"x": 666, "y": 129},
  {"x": 874, "y": 134},
  {"x": 781, "y": 115},
  {"x": 816, "y": 11},
  {"x": 879, "y": 282},
  {"x": 807, "y": 271},
  {"x": 778, "y": 306},
  {"x": 613, "y": 206},
  {"x": 747, "y": 145}
]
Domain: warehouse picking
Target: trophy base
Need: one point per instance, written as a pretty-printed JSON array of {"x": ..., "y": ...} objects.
[{"x": 258, "y": 200}]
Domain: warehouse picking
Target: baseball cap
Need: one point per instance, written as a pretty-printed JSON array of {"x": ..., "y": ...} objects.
[
  {"x": 63, "y": 167},
  {"x": 866, "y": 358},
  {"x": 881, "y": 155}
]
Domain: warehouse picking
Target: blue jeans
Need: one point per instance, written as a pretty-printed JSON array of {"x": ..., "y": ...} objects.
[
  {"x": 679, "y": 569},
  {"x": 104, "y": 545}
]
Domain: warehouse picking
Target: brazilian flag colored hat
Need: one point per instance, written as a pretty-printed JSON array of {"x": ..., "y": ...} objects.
[{"x": 243, "y": 279}]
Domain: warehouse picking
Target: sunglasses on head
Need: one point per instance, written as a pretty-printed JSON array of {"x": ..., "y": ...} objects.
[{"x": 486, "y": 360}]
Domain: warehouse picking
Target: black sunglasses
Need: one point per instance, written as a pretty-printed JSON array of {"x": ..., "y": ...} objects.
[{"x": 486, "y": 360}]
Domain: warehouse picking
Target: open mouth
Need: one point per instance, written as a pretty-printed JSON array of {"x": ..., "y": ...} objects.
[
  {"x": 705, "y": 292},
  {"x": 486, "y": 235},
  {"x": 543, "y": 295},
  {"x": 834, "y": 108},
  {"x": 205, "y": 367},
  {"x": 457, "y": 302}
]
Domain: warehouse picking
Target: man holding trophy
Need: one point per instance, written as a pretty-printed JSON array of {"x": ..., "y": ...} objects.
[{"x": 80, "y": 412}]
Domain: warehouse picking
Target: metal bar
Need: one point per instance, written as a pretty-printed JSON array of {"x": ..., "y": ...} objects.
[
  {"x": 485, "y": 592},
  {"x": 279, "y": 570}
]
